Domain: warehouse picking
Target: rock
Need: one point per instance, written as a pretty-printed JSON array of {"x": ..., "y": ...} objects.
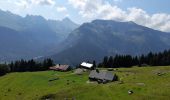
[{"x": 130, "y": 92}]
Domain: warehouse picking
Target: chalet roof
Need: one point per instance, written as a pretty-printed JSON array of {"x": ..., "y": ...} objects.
[
  {"x": 60, "y": 67},
  {"x": 103, "y": 75},
  {"x": 56, "y": 66},
  {"x": 64, "y": 67},
  {"x": 88, "y": 65}
]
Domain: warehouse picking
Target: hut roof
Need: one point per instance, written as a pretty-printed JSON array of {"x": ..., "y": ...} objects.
[
  {"x": 88, "y": 65},
  {"x": 64, "y": 67},
  {"x": 103, "y": 75},
  {"x": 60, "y": 67}
]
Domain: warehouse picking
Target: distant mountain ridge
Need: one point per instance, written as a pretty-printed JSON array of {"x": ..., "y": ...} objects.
[
  {"x": 93, "y": 41},
  {"x": 37, "y": 35},
  {"x": 68, "y": 43}
]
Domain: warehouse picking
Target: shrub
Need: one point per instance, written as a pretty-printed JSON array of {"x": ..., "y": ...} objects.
[{"x": 116, "y": 78}]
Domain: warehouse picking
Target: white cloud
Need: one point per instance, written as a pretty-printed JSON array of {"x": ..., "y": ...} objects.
[
  {"x": 101, "y": 9},
  {"x": 61, "y": 9},
  {"x": 66, "y": 15},
  {"x": 28, "y": 3},
  {"x": 117, "y": 0},
  {"x": 43, "y": 2},
  {"x": 159, "y": 21},
  {"x": 22, "y": 4}
]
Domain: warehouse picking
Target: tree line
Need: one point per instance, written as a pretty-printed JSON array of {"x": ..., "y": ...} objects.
[
  {"x": 151, "y": 59},
  {"x": 25, "y": 66}
]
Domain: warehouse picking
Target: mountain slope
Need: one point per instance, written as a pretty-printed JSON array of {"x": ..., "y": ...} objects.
[
  {"x": 14, "y": 45},
  {"x": 37, "y": 24},
  {"x": 12, "y": 21},
  {"x": 35, "y": 35},
  {"x": 92, "y": 41}
]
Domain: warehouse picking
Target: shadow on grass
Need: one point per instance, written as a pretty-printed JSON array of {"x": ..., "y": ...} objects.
[{"x": 48, "y": 97}]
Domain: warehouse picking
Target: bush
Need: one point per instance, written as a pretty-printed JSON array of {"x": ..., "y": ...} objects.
[{"x": 116, "y": 78}]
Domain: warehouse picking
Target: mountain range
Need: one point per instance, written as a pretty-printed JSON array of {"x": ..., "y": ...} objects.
[
  {"x": 30, "y": 36},
  {"x": 69, "y": 43},
  {"x": 93, "y": 41}
]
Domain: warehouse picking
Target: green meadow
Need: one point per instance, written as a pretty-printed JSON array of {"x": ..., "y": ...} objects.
[{"x": 145, "y": 82}]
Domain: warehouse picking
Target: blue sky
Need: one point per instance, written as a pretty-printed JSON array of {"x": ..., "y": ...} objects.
[
  {"x": 150, "y": 13},
  {"x": 151, "y": 6}
]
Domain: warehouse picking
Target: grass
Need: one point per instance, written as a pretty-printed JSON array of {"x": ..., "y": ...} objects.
[{"x": 144, "y": 82}]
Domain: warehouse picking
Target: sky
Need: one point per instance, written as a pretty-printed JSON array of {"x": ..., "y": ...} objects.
[{"x": 150, "y": 13}]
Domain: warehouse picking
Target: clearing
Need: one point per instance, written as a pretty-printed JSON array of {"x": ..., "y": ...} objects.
[{"x": 147, "y": 83}]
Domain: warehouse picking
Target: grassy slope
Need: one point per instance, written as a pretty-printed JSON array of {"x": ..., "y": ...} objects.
[{"x": 34, "y": 85}]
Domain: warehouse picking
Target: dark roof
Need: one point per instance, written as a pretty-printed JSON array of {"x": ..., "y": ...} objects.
[{"x": 103, "y": 75}]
